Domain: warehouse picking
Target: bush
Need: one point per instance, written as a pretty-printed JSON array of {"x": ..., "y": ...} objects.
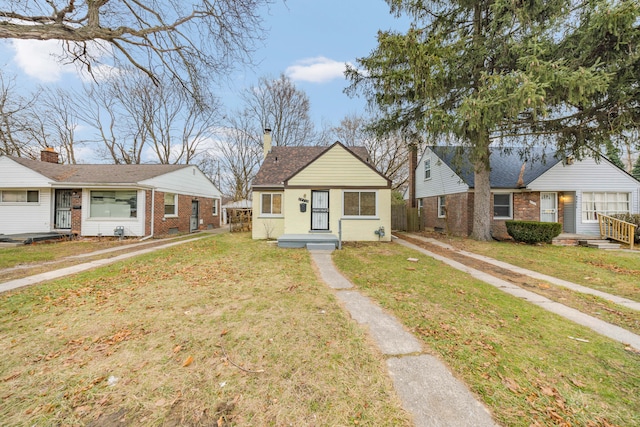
[
  {"x": 533, "y": 231},
  {"x": 633, "y": 219}
]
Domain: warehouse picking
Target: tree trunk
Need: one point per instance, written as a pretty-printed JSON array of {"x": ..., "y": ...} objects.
[{"x": 482, "y": 195}]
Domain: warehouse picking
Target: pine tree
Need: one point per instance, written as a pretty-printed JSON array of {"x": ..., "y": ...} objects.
[
  {"x": 636, "y": 169},
  {"x": 499, "y": 71}
]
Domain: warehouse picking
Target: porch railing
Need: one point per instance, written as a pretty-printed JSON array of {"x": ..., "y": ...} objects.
[{"x": 616, "y": 229}]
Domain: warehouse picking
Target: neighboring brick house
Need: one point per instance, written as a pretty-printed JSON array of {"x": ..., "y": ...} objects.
[
  {"x": 533, "y": 185},
  {"x": 98, "y": 199}
]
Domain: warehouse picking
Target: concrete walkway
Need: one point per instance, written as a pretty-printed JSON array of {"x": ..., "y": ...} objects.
[
  {"x": 426, "y": 387},
  {"x": 607, "y": 329},
  {"x": 57, "y": 273},
  {"x": 625, "y": 302}
]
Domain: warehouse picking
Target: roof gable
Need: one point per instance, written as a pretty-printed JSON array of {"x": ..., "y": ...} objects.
[{"x": 282, "y": 163}]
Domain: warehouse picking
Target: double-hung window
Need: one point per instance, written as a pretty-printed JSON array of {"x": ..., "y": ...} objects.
[
  {"x": 359, "y": 203},
  {"x": 271, "y": 204},
  {"x": 427, "y": 168},
  {"x": 170, "y": 204},
  {"x": 502, "y": 206},
  {"x": 214, "y": 210},
  {"x": 605, "y": 203}
]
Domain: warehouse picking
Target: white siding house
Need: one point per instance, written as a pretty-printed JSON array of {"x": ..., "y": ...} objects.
[
  {"x": 526, "y": 184},
  {"x": 95, "y": 200}
]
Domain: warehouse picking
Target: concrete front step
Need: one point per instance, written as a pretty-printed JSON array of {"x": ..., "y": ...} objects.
[
  {"x": 303, "y": 240},
  {"x": 599, "y": 244},
  {"x": 321, "y": 246}
]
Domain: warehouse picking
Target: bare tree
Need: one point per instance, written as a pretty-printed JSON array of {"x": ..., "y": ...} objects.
[
  {"x": 117, "y": 137},
  {"x": 278, "y": 105},
  {"x": 237, "y": 152},
  {"x": 16, "y": 134},
  {"x": 186, "y": 38},
  {"x": 389, "y": 153},
  {"x": 57, "y": 123}
]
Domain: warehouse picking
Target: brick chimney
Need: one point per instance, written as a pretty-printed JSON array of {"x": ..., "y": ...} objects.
[
  {"x": 49, "y": 155},
  {"x": 266, "y": 142}
]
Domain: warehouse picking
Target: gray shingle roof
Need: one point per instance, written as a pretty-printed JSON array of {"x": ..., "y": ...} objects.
[
  {"x": 282, "y": 163},
  {"x": 506, "y": 164},
  {"x": 97, "y": 173}
]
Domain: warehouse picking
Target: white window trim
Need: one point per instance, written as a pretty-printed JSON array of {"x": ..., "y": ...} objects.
[
  {"x": 510, "y": 204},
  {"x": 215, "y": 208},
  {"x": 595, "y": 220},
  {"x": 375, "y": 216},
  {"x": 427, "y": 161},
  {"x": 112, "y": 218},
  {"x": 272, "y": 215},
  {"x": 20, "y": 203},
  {"x": 440, "y": 206},
  {"x": 175, "y": 204}
]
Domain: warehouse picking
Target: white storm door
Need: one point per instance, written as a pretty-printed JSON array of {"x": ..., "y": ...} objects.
[
  {"x": 548, "y": 207},
  {"x": 319, "y": 210}
]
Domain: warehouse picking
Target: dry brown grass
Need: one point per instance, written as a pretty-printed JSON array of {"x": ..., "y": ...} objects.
[{"x": 221, "y": 331}]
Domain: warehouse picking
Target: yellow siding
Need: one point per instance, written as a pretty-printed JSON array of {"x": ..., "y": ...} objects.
[
  {"x": 265, "y": 227},
  {"x": 338, "y": 167},
  {"x": 352, "y": 229}
]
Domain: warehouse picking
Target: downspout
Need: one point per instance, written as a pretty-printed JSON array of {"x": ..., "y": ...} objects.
[{"x": 153, "y": 214}]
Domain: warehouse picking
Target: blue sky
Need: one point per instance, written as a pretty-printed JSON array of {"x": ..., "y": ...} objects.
[{"x": 308, "y": 40}]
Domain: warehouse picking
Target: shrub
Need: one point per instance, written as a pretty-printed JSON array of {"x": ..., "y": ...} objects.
[
  {"x": 633, "y": 219},
  {"x": 533, "y": 231}
]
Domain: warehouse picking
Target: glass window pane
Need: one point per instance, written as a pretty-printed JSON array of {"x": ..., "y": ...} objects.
[
  {"x": 368, "y": 203},
  {"x": 266, "y": 204},
  {"x": 14, "y": 196},
  {"x": 33, "y": 196},
  {"x": 276, "y": 204},
  {"x": 351, "y": 203}
]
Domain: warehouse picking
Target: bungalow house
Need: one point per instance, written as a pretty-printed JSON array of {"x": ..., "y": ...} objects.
[
  {"x": 104, "y": 200},
  {"x": 534, "y": 185},
  {"x": 320, "y": 195}
]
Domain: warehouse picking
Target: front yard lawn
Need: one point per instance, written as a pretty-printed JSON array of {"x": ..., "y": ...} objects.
[
  {"x": 525, "y": 363},
  {"x": 220, "y": 331}
]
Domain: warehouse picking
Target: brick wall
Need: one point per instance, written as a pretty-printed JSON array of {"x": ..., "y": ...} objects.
[
  {"x": 457, "y": 221},
  {"x": 181, "y": 224},
  {"x": 76, "y": 211}
]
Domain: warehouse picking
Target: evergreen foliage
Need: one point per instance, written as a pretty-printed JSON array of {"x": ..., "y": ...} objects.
[
  {"x": 636, "y": 169},
  {"x": 532, "y": 231},
  {"x": 504, "y": 72}
]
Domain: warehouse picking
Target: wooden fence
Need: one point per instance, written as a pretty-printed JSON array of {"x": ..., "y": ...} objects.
[
  {"x": 404, "y": 218},
  {"x": 239, "y": 220}
]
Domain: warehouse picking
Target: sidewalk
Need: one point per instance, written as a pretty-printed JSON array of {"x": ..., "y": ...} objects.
[
  {"x": 61, "y": 272},
  {"x": 607, "y": 329},
  {"x": 424, "y": 384}
]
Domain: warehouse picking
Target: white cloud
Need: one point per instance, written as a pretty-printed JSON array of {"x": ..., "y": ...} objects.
[
  {"x": 41, "y": 60},
  {"x": 316, "y": 70},
  {"x": 38, "y": 59}
]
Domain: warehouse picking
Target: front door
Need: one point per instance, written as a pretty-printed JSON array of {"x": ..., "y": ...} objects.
[
  {"x": 319, "y": 210},
  {"x": 193, "y": 223},
  {"x": 63, "y": 210},
  {"x": 548, "y": 207}
]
